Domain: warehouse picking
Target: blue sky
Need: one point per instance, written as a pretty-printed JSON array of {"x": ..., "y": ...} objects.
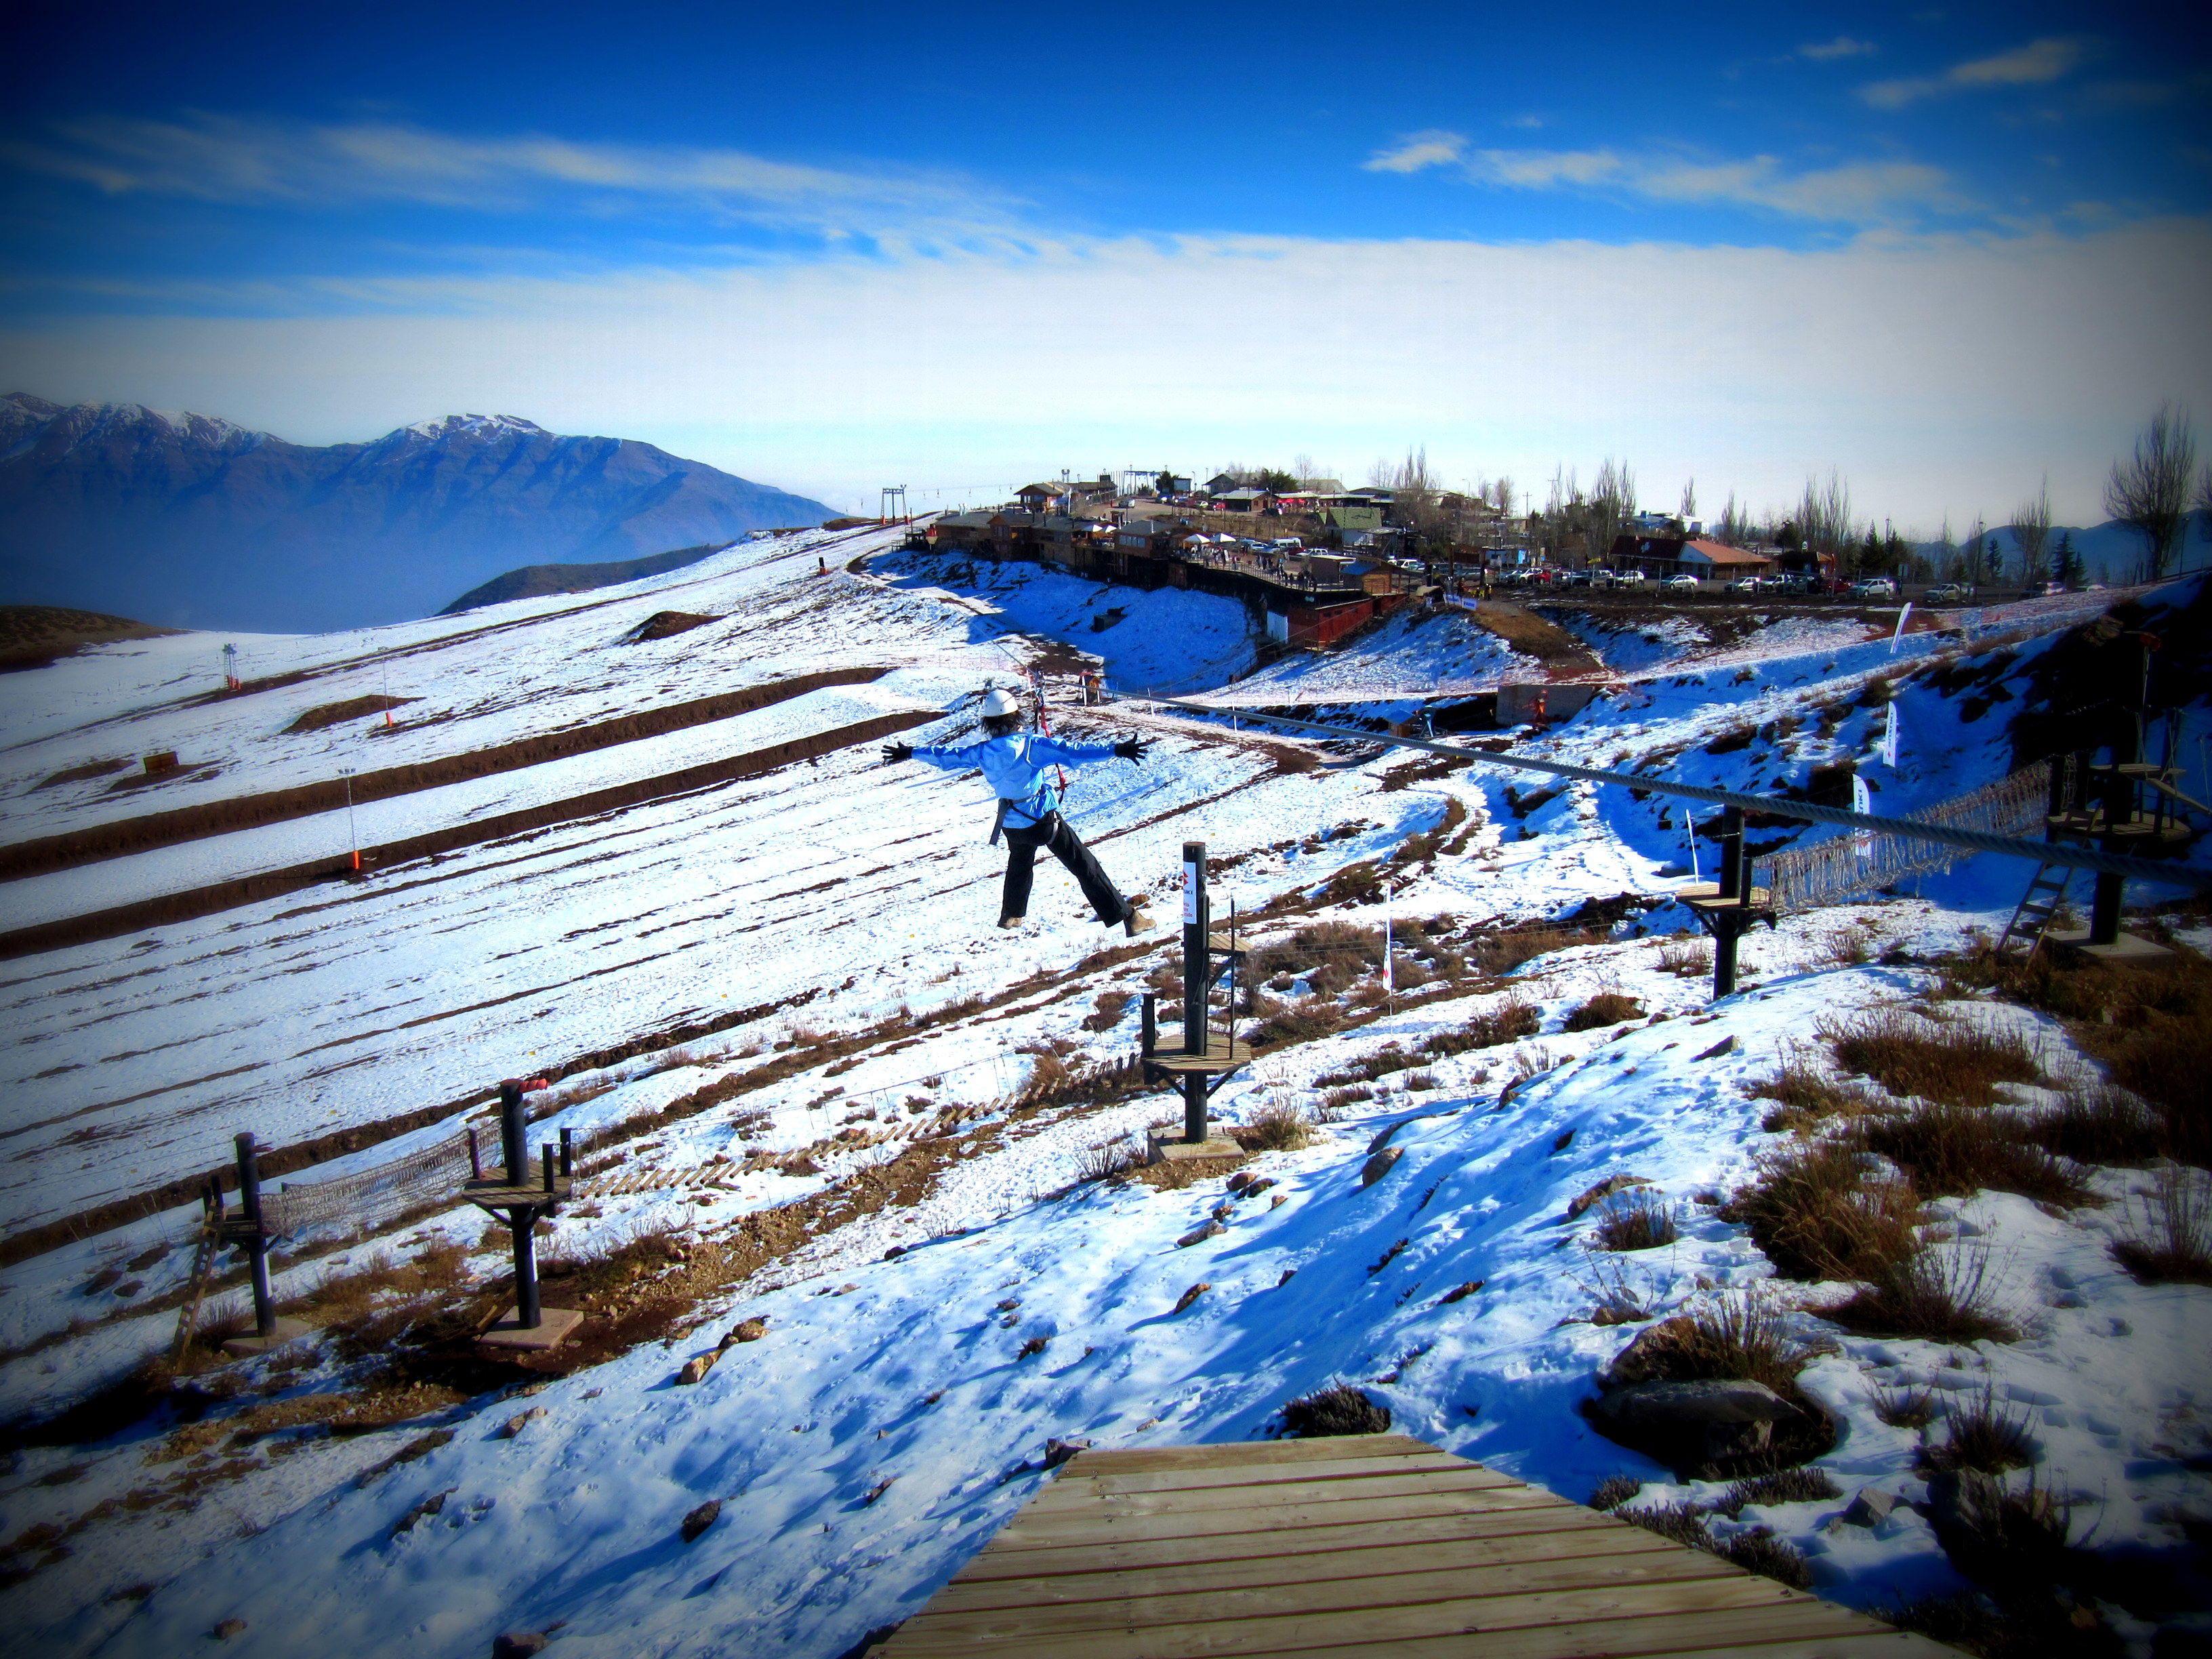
[{"x": 1945, "y": 249}]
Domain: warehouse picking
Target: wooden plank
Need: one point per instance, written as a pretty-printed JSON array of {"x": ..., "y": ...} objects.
[
  {"x": 1134, "y": 1460},
  {"x": 1009, "y": 1562},
  {"x": 1803, "y": 1629},
  {"x": 1343, "y": 1490},
  {"x": 1028, "y": 1531},
  {"x": 927, "y": 1635},
  {"x": 1081, "y": 1484},
  {"x": 1065, "y": 1583}
]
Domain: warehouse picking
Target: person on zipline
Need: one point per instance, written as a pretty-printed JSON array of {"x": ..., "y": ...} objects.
[{"x": 1013, "y": 761}]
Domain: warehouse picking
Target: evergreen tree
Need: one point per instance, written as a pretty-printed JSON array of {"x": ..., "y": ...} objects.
[{"x": 2066, "y": 565}]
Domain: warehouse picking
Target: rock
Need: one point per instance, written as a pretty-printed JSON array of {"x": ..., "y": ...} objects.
[
  {"x": 423, "y": 1512},
  {"x": 1279, "y": 1198},
  {"x": 1604, "y": 1189},
  {"x": 228, "y": 1628},
  {"x": 1563, "y": 1140},
  {"x": 1384, "y": 1140},
  {"x": 1241, "y": 1180},
  {"x": 695, "y": 1368},
  {"x": 895, "y": 1253},
  {"x": 1725, "y": 1046},
  {"x": 1686, "y": 1423},
  {"x": 1200, "y": 1235},
  {"x": 1461, "y": 1293},
  {"x": 1380, "y": 1165},
  {"x": 747, "y": 1330},
  {"x": 1192, "y": 1295},
  {"x": 1870, "y": 1508},
  {"x": 515, "y": 1426},
  {"x": 1058, "y": 1451},
  {"x": 701, "y": 1518},
  {"x": 518, "y": 1643},
  {"x": 1255, "y": 1186}
]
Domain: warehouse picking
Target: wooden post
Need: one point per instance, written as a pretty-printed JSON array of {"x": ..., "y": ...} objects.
[
  {"x": 520, "y": 1221},
  {"x": 256, "y": 1243},
  {"x": 516, "y": 1155},
  {"x": 476, "y": 1157},
  {"x": 1194, "y": 965},
  {"x": 567, "y": 1151},
  {"x": 1151, "y": 1029},
  {"x": 548, "y": 1150}
]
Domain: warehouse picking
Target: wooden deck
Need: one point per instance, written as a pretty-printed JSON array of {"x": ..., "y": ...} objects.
[{"x": 1370, "y": 1544}]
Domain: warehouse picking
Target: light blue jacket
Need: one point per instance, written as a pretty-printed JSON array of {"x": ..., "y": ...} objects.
[{"x": 1014, "y": 767}]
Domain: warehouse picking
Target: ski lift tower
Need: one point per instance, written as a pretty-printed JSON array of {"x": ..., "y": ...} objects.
[
  {"x": 1208, "y": 1057},
  {"x": 893, "y": 506}
]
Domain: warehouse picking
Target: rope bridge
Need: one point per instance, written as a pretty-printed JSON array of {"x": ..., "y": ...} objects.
[{"x": 1846, "y": 865}]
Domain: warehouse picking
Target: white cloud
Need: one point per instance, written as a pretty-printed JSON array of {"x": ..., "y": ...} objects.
[
  {"x": 227, "y": 159},
  {"x": 1862, "y": 193},
  {"x": 1842, "y": 46},
  {"x": 1417, "y": 151},
  {"x": 2039, "y": 61},
  {"x": 1939, "y": 375}
]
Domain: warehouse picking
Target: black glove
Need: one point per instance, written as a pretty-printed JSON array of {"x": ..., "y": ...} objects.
[
  {"x": 1133, "y": 748},
  {"x": 895, "y": 752}
]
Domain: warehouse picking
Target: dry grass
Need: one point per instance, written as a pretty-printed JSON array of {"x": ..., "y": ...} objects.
[
  {"x": 1956, "y": 1063},
  {"x": 1905, "y": 1408},
  {"x": 1732, "y": 1336},
  {"x": 1983, "y": 1435},
  {"x": 1614, "y": 1491},
  {"x": 1114, "y": 1161},
  {"x": 1606, "y": 1008},
  {"x": 1805, "y": 1096},
  {"x": 2175, "y": 1246},
  {"x": 1936, "y": 1295},
  {"x": 1689, "y": 957},
  {"x": 1818, "y": 1213},
  {"x": 1637, "y": 1220},
  {"x": 1274, "y": 1128},
  {"x": 1950, "y": 1150},
  {"x": 1513, "y": 1018},
  {"x": 1307, "y": 1020},
  {"x": 2099, "y": 1124},
  {"x": 1783, "y": 1486},
  {"x": 1342, "y": 1409},
  {"x": 1107, "y": 1012}
]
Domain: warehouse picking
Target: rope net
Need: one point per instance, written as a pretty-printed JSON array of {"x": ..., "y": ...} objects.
[
  {"x": 375, "y": 1197},
  {"x": 1849, "y": 865}
]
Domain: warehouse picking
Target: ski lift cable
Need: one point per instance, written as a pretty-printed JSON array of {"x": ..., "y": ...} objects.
[{"x": 1974, "y": 840}]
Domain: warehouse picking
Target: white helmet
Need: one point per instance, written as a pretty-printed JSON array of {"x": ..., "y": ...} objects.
[{"x": 999, "y": 701}]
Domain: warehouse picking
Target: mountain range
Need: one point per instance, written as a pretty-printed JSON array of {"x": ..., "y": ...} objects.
[{"x": 189, "y": 521}]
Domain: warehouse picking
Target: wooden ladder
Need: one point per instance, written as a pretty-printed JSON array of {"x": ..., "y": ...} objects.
[
  {"x": 2024, "y": 932},
  {"x": 188, "y": 1316}
]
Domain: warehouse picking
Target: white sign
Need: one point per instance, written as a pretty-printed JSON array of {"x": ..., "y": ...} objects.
[
  {"x": 1190, "y": 879},
  {"x": 1862, "y": 801}
]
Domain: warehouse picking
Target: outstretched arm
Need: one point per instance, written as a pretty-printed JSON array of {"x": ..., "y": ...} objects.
[{"x": 1047, "y": 750}]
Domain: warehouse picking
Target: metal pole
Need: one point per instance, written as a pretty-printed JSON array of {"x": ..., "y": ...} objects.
[
  {"x": 510, "y": 1131},
  {"x": 1195, "y": 919},
  {"x": 476, "y": 1158},
  {"x": 257, "y": 1243},
  {"x": 1732, "y": 853},
  {"x": 1152, "y": 1028},
  {"x": 548, "y": 1150},
  {"x": 567, "y": 1151},
  {"x": 525, "y": 1268}
]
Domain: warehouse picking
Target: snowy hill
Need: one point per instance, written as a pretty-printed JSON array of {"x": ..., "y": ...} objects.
[
  {"x": 821, "y": 1092},
  {"x": 190, "y": 521}
]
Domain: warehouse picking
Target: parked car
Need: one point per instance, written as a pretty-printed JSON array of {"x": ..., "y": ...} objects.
[
  {"x": 1684, "y": 583},
  {"x": 1746, "y": 585},
  {"x": 1948, "y": 593},
  {"x": 1875, "y": 587}
]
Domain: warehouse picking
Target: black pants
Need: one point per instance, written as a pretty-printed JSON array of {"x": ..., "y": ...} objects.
[{"x": 1053, "y": 836}]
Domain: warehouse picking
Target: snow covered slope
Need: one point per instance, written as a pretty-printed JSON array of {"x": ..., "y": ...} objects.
[{"x": 865, "y": 1066}]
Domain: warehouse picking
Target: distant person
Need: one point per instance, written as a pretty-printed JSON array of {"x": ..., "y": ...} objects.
[
  {"x": 1013, "y": 761},
  {"x": 821, "y": 565}
]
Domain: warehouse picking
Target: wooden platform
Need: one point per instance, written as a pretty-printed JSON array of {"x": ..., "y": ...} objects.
[{"x": 1373, "y": 1543}]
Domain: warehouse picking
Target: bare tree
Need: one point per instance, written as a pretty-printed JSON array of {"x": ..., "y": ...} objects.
[
  {"x": 2030, "y": 528},
  {"x": 1735, "y": 528},
  {"x": 2149, "y": 492},
  {"x": 1689, "y": 501},
  {"x": 2204, "y": 498},
  {"x": 1612, "y": 502},
  {"x": 1972, "y": 563},
  {"x": 1501, "y": 493},
  {"x": 1824, "y": 517}
]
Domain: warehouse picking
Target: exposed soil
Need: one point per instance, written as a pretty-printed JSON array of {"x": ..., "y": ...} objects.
[
  {"x": 37, "y": 636},
  {"x": 353, "y": 708}
]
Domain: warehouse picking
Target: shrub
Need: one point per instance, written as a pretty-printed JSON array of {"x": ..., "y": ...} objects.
[
  {"x": 1732, "y": 1336},
  {"x": 1306, "y": 1020},
  {"x": 1684, "y": 1523},
  {"x": 1760, "y": 1552},
  {"x": 1956, "y": 1063},
  {"x": 1342, "y": 1409},
  {"x": 1274, "y": 1128},
  {"x": 1637, "y": 1220},
  {"x": 1109, "y": 1010},
  {"x": 1336, "y": 1102},
  {"x": 1606, "y": 1008},
  {"x": 1808, "y": 1097},
  {"x": 1114, "y": 1161},
  {"x": 1817, "y": 1214},
  {"x": 2176, "y": 1247},
  {"x": 1905, "y": 1408},
  {"x": 1942, "y": 1296},
  {"x": 1981, "y": 1436},
  {"x": 2100, "y": 1125},
  {"x": 1689, "y": 957},
  {"x": 2011, "y": 1539}
]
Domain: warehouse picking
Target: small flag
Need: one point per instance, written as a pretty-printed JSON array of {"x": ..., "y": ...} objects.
[
  {"x": 1387, "y": 983},
  {"x": 1690, "y": 830},
  {"x": 1899, "y": 635},
  {"x": 1889, "y": 740},
  {"x": 1862, "y": 801}
]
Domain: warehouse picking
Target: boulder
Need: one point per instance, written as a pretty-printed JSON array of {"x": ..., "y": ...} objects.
[
  {"x": 1870, "y": 1508},
  {"x": 1380, "y": 1165},
  {"x": 701, "y": 1518},
  {"x": 518, "y": 1643},
  {"x": 228, "y": 1628},
  {"x": 1689, "y": 1424},
  {"x": 515, "y": 1426},
  {"x": 1192, "y": 1295},
  {"x": 1200, "y": 1235},
  {"x": 747, "y": 1330},
  {"x": 695, "y": 1368},
  {"x": 1058, "y": 1451}
]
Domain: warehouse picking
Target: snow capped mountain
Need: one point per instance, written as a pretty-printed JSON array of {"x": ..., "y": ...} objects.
[{"x": 192, "y": 521}]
